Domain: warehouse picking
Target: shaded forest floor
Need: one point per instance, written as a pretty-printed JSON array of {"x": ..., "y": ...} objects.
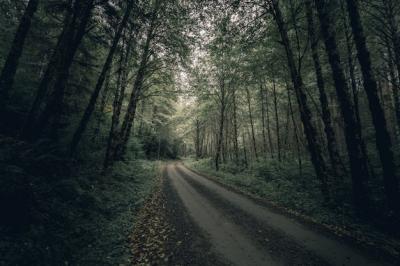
[
  {"x": 57, "y": 211},
  {"x": 299, "y": 199}
]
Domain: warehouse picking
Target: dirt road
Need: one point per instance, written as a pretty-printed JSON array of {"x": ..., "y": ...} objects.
[{"x": 243, "y": 232}]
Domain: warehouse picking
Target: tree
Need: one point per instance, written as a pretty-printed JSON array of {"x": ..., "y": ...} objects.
[
  {"x": 326, "y": 114},
  {"x": 89, "y": 109},
  {"x": 118, "y": 144},
  {"x": 10, "y": 67},
  {"x": 383, "y": 141},
  {"x": 358, "y": 164},
  {"x": 305, "y": 113},
  {"x": 222, "y": 97},
  {"x": 57, "y": 72},
  {"x": 252, "y": 123}
]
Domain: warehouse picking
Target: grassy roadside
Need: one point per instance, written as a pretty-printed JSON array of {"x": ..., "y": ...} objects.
[
  {"x": 121, "y": 196},
  {"x": 300, "y": 198}
]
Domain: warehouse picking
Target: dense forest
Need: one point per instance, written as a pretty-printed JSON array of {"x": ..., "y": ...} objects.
[{"x": 297, "y": 101}]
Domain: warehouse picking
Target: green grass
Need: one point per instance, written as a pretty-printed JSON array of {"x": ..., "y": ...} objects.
[
  {"x": 277, "y": 182},
  {"x": 111, "y": 222}
]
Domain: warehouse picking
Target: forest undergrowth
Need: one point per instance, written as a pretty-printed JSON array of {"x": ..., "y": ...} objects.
[{"x": 67, "y": 212}]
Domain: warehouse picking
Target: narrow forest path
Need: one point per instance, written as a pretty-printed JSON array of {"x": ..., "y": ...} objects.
[{"x": 242, "y": 232}]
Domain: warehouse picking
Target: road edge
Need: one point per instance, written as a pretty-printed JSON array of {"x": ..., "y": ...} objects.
[
  {"x": 180, "y": 237},
  {"x": 309, "y": 222}
]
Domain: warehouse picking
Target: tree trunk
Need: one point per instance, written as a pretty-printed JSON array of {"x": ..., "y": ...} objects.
[
  {"x": 202, "y": 140},
  {"x": 395, "y": 35},
  {"x": 221, "y": 125},
  {"x": 100, "y": 112},
  {"x": 99, "y": 85},
  {"x": 358, "y": 164},
  {"x": 383, "y": 141},
  {"x": 287, "y": 131},
  {"x": 305, "y": 112},
  {"x": 225, "y": 148},
  {"x": 253, "y": 137},
  {"x": 54, "y": 106},
  {"x": 262, "y": 99},
  {"x": 353, "y": 83},
  {"x": 120, "y": 141},
  {"x": 10, "y": 67},
  {"x": 277, "y": 127},
  {"x": 394, "y": 84},
  {"x": 58, "y": 70},
  {"x": 334, "y": 157},
  {"x": 299, "y": 160},
  {"x": 49, "y": 74},
  {"x": 244, "y": 151},
  {"x": 271, "y": 146},
  {"x": 141, "y": 123},
  {"x": 127, "y": 125},
  {"x": 235, "y": 128},
  {"x": 197, "y": 141},
  {"x": 119, "y": 96}
]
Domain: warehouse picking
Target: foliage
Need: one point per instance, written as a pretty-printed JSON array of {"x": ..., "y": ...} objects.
[
  {"x": 249, "y": 87},
  {"x": 57, "y": 211}
]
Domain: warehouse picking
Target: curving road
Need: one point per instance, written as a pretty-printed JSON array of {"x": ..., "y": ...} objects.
[{"x": 242, "y": 232}]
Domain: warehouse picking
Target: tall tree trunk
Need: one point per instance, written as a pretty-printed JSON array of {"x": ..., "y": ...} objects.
[
  {"x": 358, "y": 164},
  {"x": 50, "y": 72},
  {"x": 120, "y": 141},
  {"x": 334, "y": 157},
  {"x": 305, "y": 112},
  {"x": 351, "y": 65},
  {"x": 225, "y": 148},
  {"x": 127, "y": 124},
  {"x": 119, "y": 96},
  {"x": 271, "y": 146},
  {"x": 383, "y": 141},
  {"x": 277, "y": 127},
  {"x": 395, "y": 34},
  {"x": 287, "y": 131},
  {"x": 141, "y": 123},
  {"x": 58, "y": 70},
  {"x": 100, "y": 112},
  {"x": 244, "y": 151},
  {"x": 10, "y": 67},
  {"x": 221, "y": 124},
  {"x": 253, "y": 137},
  {"x": 99, "y": 85},
  {"x": 353, "y": 83},
  {"x": 197, "y": 141},
  {"x": 202, "y": 140},
  {"x": 235, "y": 128},
  {"x": 394, "y": 84},
  {"x": 54, "y": 106},
  {"x": 299, "y": 160},
  {"x": 262, "y": 99}
]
